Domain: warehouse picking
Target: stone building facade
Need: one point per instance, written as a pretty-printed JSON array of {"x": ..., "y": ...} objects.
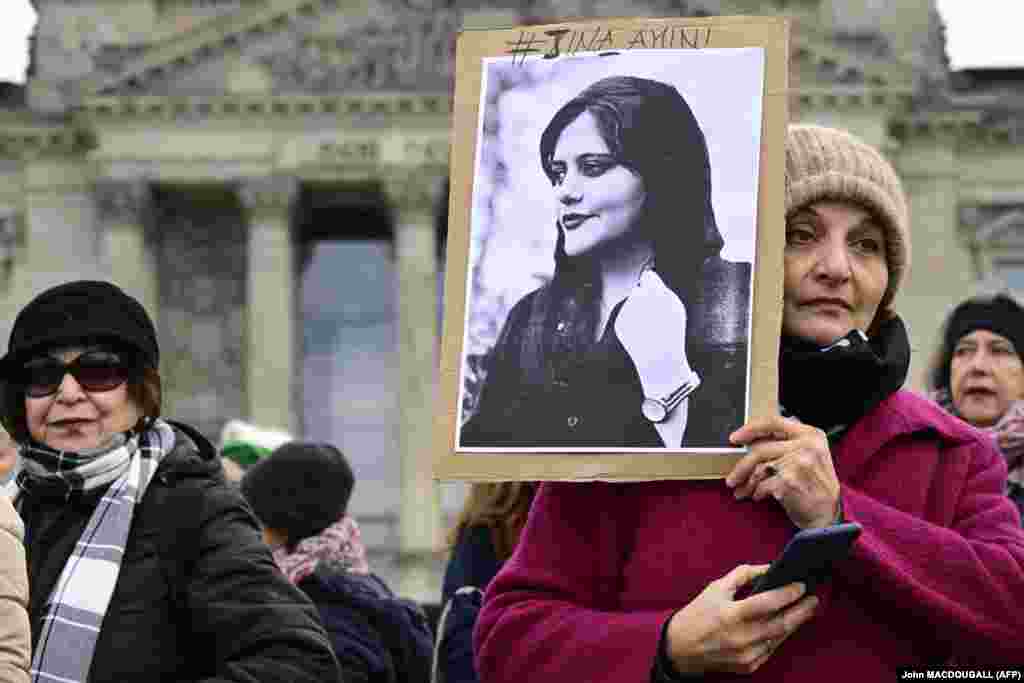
[{"x": 267, "y": 176}]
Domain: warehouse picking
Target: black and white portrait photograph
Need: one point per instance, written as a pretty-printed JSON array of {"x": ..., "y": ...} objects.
[{"x": 612, "y": 243}]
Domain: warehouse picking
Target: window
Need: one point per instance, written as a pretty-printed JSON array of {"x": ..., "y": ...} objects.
[{"x": 350, "y": 367}]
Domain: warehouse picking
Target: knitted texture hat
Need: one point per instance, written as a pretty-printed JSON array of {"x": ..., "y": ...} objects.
[
  {"x": 999, "y": 314},
  {"x": 299, "y": 489},
  {"x": 75, "y": 312},
  {"x": 830, "y": 164}
]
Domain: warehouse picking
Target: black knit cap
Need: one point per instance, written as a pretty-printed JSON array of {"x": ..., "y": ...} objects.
[
  {"x": 999, "y": 314},
  {"x": 301, "y": 488},
  {"x": 75, "y": 312}
]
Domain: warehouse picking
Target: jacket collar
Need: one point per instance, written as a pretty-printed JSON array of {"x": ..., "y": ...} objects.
[
  {"x": 902, "y": 414},
  {"x": 192, "y": 456}
]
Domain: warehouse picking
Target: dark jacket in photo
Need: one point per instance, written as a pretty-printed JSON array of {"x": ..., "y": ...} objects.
[
  {"x": 534, "y": 396},
  {"x": 377, "y": 637},
  {"x": 472, "y": 565},
  {"x": 198, "y": 597}
]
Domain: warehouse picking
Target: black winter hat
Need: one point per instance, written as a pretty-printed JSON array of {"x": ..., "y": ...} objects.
[
  {"x": 999, "y": 314},
  {"x": 301, "y": 488},
  {"x": 79, "y": 311}
]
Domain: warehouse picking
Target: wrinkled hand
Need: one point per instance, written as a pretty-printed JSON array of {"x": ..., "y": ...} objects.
[
  {"x": 791, "y": 462},
  {"x": 652, "y": 328},
  {"x": 715, "y": 632}
]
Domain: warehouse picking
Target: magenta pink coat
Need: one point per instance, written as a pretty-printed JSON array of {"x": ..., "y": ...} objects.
[{"x": 938, "y": 570}]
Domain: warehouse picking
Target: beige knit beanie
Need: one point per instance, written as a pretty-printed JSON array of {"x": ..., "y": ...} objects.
[{"x": 827, "y": 163}]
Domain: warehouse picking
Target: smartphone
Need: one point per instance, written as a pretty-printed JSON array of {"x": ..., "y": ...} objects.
[{"x": 808, "y": 557}]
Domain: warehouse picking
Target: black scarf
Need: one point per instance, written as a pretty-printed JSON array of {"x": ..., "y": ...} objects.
[{"x": 832, "y": 387}]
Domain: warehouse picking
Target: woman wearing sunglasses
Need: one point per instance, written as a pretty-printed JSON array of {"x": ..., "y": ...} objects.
[{"x": 132, "y": 535}]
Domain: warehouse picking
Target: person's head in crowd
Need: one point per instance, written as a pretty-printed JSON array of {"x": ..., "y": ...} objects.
[
  {"x": 847, "y": 250},
  {"x": 242, "y": 445},
  {"x": 81, "y": 368},
  {"x": 501, "y": 506},
  {"x": 847, "y": 235},
  {"x": 978, "y": 370},
  {"x": 298, "y": 491},
  {"x": 629, "y": 163}
]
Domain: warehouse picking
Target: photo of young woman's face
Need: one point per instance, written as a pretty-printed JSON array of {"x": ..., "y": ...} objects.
[{"x": 599, "y": 199}]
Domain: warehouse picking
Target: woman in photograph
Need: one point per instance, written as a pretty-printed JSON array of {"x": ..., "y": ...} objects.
[
  {"x": 646, "y": 581},
  {"x": 639, "y": 339},
  {"x": 143, "y": 564}
]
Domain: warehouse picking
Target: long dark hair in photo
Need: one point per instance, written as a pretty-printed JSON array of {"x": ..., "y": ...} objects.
[{"x": 651, "y": 130}]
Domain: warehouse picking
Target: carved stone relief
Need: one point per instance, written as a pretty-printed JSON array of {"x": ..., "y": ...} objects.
[
  {"x": 407, "y": 50},
  {"x": 69, "y": 38}
]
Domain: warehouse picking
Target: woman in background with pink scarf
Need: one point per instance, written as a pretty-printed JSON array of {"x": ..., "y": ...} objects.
[
  {"x": 300, "y": 493},
  {"x": 979, "y": 376}
]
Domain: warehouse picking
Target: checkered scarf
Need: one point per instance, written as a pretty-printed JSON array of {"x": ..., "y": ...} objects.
[
  {"x": 75, "y": 609},
  {"x": 338, "y": 547}
]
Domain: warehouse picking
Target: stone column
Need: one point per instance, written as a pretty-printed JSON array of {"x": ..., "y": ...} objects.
[
  {"x": 419, "y": 515},
  {"x": 123, "y": 207},
  {"x": 61, "y": 239},
  {"x": 270, "y": 373}
]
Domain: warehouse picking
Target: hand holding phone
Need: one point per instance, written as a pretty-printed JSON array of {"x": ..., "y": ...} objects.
[{"x": 809, "y": 557}]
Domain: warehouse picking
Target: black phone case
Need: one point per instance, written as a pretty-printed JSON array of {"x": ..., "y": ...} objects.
[{"x": 809, "y": 557}]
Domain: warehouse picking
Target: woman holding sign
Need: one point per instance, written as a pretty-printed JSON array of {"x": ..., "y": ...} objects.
[
  {"x": 640, "y": 581},
  {"x": 615, "y": 350}
]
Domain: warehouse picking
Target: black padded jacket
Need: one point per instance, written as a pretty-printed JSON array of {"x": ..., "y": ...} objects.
[{"x": 198, "y": 597}]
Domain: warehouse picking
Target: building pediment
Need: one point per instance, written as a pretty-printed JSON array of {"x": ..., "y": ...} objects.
[
  {"x": 208, "y": 40},
  {"x": 296, "y": 46},
  {"x": 331, "y": 45}
]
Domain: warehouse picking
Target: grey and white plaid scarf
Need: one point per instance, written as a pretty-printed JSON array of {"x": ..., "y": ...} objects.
[{"x": 79, "y": 602}]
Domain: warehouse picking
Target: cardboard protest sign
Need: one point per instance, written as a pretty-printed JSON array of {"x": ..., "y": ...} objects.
[{"x": 614, "y": 268}]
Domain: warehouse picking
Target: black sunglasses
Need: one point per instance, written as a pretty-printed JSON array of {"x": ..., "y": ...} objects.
[{"x": 93, "y": 370}]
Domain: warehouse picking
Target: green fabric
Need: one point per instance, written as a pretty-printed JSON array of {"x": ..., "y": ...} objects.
[{"x": 243, "y": 452}]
